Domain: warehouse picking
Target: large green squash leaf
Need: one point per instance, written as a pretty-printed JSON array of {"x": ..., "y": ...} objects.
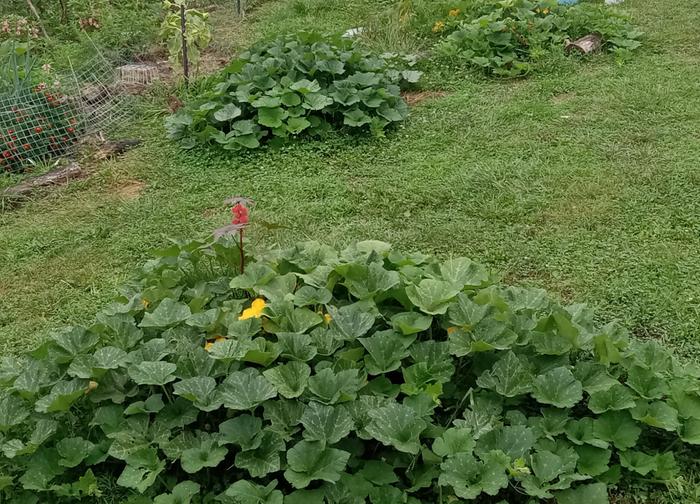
[
  {"x": 385, "y": 349},
  {"x": 73, "y": 451},
  {"x": 182, "y": 493},
  {"x": 396, "y": 425},
  {"x": 227, "y": 112},
  {"x": 546, "y": 465},
  {"x": 462, "y": 272},
  {"x": 140, "y": 478},
  {"x": 409, "y": 323},
  {"x": 638, "y": 461},
  {"x": 289, "y": 379},
  {"x": 432, "y": 296},
  {"x": 365, "y": 281},
  {"x": 309, "y": 296},
  {"x": 296, "y": 346},
  {"x": 272, "y": 117},
  {"x": 489, "y": 334},
  {"x": 61, "y": 397},
  {"x": 646, "y": 383},
  {"x": 328, "y": 424},
  {"x": 454, "y": 440},
  {"x": 352, "y": 321},
  {"x": 618, "y": 428},
  {"x": 246, "y": 492},
  {"x": 510, "y": 376},
  {"x": 311, "y": 460},
  {"x": 593, "y": 493},
  {"x": 469, "y": 478},
  {"x": 152, "y": 372},
  {"x": 593, "y": 461},
  {"x": 466, "y": 313},
  {"x": 657, "y": 414},
  {"x": 558, "y": 387},
  {"x": 244, "y": 390},
  {"x": 70, "y": 342},
  {"x": 242, "y": 430},
  {"x": 207, "y": 454},
  {"x": 264, "y": 458},
  {"x": 690, "y": 431},
  {"x": 201, "y": 390},
  {"x": 616, "y": 398},
  {"x": 594, "y": 377},
  {"x": 284, "y": 416},
  {"x": 582, "y": 431},
  {"x": 168, "y": 313},
  {"x": 513, "y": 440},
  {"x": 330, "y": 387},
  {"x": 13, "y": 411}
]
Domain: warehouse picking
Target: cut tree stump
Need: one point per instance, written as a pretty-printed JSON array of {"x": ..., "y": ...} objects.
[
  {"x": 55, "y": 177},
  {"x": 585, "y": 45}
]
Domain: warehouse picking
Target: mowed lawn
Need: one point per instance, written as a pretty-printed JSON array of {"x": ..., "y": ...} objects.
[{"x": 584, "y": 180}]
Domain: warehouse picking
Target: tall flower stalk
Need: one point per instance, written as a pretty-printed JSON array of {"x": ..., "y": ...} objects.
[{"x": 240, "y": 209}]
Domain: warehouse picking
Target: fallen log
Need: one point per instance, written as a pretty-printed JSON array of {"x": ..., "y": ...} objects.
[
  {"x": 585, "y": 45},
  {"x": 110, "y": 149},
  {"x": 55, "y": 177}
]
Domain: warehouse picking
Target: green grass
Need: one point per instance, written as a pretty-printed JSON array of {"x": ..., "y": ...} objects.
[{"x": 583, "y": 180}]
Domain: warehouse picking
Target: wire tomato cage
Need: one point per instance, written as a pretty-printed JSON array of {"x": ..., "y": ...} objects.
[{"x": 49, "y": 119}]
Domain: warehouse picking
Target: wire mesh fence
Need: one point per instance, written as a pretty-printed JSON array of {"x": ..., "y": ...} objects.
[{"x": 49, "y": 119}]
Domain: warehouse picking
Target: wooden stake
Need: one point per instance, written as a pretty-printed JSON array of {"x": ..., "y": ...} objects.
[{"x": 185, "y": 59}]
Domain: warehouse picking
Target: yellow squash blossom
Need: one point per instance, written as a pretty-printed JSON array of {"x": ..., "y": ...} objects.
[
  {"x": 255, "y": 310},
  {"x": 327, "y": 318},
  {"x": 451, "y": 330},
  {"x": 455, "y": 12},
  {"x": 438, "y": 26},
  {"x": 92, "y": 385},
  {"x": 545, "y": 11}
]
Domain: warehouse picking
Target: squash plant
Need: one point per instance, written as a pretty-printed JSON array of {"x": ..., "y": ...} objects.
[
  {"x": 300, "y": 84},
  {"x": 505, "y": 38},
  {"x": 326, "y": 376}
]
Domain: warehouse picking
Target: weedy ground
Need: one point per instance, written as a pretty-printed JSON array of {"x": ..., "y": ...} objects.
[{"x": 583, "y": 179}]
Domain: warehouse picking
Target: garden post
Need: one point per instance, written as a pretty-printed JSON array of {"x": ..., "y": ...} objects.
[{"x": 185, "y": 60}]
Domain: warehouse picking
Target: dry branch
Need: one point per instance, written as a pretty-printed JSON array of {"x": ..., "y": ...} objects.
[{"x": 55, "y": 177}]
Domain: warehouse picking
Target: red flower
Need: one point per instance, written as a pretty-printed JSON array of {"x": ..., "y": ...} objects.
[
  {"x": 71, "y": 130},
  {"x": 240, "y": 214},
  {"x": 7, "y": 154},
  {"x": 27, "y": 146},
  {"x": 38, "y": 129}
]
